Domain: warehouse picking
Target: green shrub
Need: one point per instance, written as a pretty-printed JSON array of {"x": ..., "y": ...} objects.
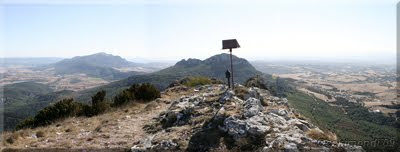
[
  {"x": 146, "y": 92},
  {"x": 62, "y": 109},
  {"x": 256, "y": 81},
  {"x": 123, "y": 97},
  {"x": 279, "y": 87},
  {"x": 86, "y": 110},
  {"x": 99, "y": 104},
  {"x": 27, "y": 123},
  {"x": 196, "y": 81},
  {"x": 10, "y": 140},
  {"x": 66, "y": 108}
]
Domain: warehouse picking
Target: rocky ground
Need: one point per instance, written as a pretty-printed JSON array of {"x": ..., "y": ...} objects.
[{"x": 204, "y": 118}]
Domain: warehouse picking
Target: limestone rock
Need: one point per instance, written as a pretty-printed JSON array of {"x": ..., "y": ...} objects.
[
  {"x": 205, "y": 123},
  {"x": 235, "y": 127},
  {"x": 228, "y": 95},
  {"x": 280, "y": 112},
  {"x": 252, "y": 107},
  {"x": 165, "y": 145},
  {"x": 257, "y": 125},
  {"x": 252, "y": 92}
]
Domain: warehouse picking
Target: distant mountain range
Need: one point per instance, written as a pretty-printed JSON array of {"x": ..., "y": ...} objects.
[
  {"x": 100, "y": 65},
  {"x": 100, "y": 60},
  {"x": 30, "y": 62}
]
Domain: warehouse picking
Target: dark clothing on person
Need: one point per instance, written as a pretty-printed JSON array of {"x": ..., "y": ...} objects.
[{"x": 228, "y": 76}]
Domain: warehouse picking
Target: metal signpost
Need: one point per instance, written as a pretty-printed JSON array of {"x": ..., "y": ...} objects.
[{"x": 230, "y": 44}]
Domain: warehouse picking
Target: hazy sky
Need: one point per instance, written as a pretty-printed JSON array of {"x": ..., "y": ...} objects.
[{"x": 180, "y": 29}]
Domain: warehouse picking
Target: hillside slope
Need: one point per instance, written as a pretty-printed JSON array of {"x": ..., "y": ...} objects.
[
  {"x": 24, "y": 99},
  {"x": 205, "y": 118}
]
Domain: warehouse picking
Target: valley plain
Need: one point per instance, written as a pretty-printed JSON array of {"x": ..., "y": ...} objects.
[
  {"x": 74, "y": 82},
  {"x": 371, "y": 85}
]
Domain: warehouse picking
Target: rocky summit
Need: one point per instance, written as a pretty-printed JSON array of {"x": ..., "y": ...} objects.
[
  {"x": 203, "y": 118},
  {"x": 213, "y": 118}
]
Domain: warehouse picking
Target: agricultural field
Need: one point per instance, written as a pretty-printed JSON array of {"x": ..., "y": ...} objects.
[
  {"x": 372, "y": 86},
  {"x": 74, "y": 82}
]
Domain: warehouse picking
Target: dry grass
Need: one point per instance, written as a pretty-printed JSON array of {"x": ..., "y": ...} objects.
[
  {"x": 120, "y": 127},
  {"x": 12, "y": 138},
  {"x": 317, "y": 95},
  {"x": 241, "y": 92},
  {"x": 320, "y": 135},
  {"x": 299, "y": 116}
]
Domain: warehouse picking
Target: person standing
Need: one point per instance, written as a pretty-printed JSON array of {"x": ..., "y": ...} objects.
[{"x": 228, "y": 76}]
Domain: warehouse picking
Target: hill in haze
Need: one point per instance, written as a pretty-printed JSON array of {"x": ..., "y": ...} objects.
[
  {"x": 99, "y": 65},
  {"x": 99, "y": 59},
  {"x": 34, "y": 61}
]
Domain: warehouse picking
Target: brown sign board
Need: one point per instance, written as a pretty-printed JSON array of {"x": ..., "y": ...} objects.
[{"x": 231, "y": 43}]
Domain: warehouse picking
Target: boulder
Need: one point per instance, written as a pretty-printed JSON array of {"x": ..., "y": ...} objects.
[
  {"x": 253, "y": 92},
  {"x": 228, "y": 95},
  {"x": 283, "y": 101},
  {"x": 137, "y": 148},
  {"x": 276, "y": 120},
  {"x": 257, "y": 125},
  {"x": 180, "y": 111},
  {"x": 301, "y": 124},
  {"x": 165, "y": 145},
  {"x": 280, "y": 112},
  {"x": 235, "y": 127},
  {"x": 254, "y": 126},
  {"x": 289, "y": 147},
  {"x": 252, "y": 107}
]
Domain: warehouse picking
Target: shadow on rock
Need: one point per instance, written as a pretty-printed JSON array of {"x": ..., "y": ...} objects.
[{"x": 209, "y": 136}]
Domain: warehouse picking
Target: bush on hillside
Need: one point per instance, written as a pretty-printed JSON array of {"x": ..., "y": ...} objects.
[
  {"x": 144, "y": 92},
  {"x": 99, "y": 103},
  {"x": 256, "y": 81},
  {"x": 27, "y": 123},
  {"x": 123, "y": 97},
  {"x": 86, "y": 110},
  {"x": 196, "y": 81},
  {"x": 66, "y": 108},
  {"x": 279, "y": 87},
  {"x": 62, "y": 109}
]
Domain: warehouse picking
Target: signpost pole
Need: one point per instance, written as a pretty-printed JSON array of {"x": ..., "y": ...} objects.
[
  {"x": 230, "y": 44},
  {"x": 233, "y": 83}
]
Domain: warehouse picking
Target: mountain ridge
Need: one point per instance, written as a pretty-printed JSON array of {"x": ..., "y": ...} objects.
[
  {"x": 100, "y": 59},
  {"x": 100, "y": 65},
  {"x": 213, "y": 67}
]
